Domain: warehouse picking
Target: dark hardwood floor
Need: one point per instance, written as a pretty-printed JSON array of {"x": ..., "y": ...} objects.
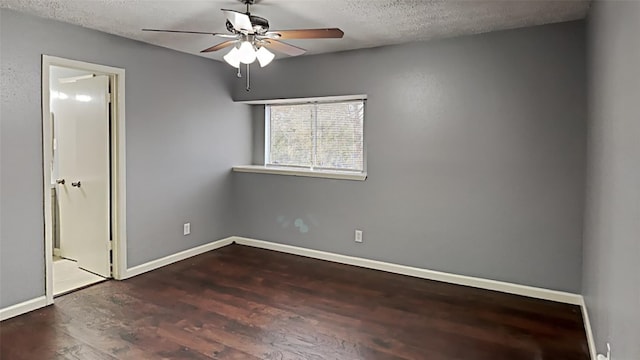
[{"x": 244, "y": 303}]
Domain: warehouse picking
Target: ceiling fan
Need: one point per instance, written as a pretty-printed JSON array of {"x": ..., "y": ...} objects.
[{"x": 250, "y": 38}]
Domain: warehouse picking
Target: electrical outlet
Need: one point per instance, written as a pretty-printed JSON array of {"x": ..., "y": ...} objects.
[
  {"x": 358, "y": 237},
  {"x": 186, "y": 229}
]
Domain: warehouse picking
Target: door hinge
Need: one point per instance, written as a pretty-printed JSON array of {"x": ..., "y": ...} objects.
[
  {"x": 110, "y": 245},
  {"x": 109, "y": 97}
]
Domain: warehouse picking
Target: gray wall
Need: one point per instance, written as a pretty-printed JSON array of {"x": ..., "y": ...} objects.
[
  {"x": 611, "y": 283},
  {"x": 183, "y": 135},
  {"x": 476, "y": 157}
]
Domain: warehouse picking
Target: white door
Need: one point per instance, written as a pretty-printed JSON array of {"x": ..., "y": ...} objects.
[{"x": 81, "y": 111}]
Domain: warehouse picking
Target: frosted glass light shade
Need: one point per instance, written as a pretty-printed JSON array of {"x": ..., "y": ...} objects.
[
  {"x": 232, "y": 58},
  {"x": 246, "y": 53},
  {"x": 264, "y": 56}
]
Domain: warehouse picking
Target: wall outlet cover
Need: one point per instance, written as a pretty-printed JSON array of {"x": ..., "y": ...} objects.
[{"x": 358, "y": 236}]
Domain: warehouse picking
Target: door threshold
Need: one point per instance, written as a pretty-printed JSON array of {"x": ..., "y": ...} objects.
[
  {"x": 69, "y": 277},
  {"x": 57, "y": 295}
]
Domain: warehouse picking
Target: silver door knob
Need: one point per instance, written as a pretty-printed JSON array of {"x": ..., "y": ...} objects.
[
  {"x": 76, "y": 184},
  {"x": 60, "y": 181}
]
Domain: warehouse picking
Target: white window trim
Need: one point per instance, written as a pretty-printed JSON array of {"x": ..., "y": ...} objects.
[
  {"x": 319, "y": 99},
  {"x": 292, "y": 171}
]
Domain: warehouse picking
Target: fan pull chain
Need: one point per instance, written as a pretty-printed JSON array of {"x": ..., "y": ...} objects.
[{"x": 248, "y": 76}]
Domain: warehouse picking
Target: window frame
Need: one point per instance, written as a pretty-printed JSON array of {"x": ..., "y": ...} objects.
[{"x": 302, "y": 170}]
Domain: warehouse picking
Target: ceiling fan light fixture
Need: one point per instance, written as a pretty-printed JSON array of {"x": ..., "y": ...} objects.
[
  {"x": 264, "y": 56},
  {"x": 233, "y": 58},
  {"x": 247, "y": 35},
  {"x": 246, "y": 53}
]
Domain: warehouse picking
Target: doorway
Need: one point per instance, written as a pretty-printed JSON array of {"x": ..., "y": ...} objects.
[{"x": 83, "y": 148}]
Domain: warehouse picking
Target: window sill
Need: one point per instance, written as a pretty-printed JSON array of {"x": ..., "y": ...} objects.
[{"x": 328, "y": 174}]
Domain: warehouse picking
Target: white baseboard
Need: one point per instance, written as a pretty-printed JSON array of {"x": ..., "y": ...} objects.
[
  {"x": 501, "y": 286},
  {"x": 530, "y": 291},
  {"x": 152, "y": 265},
  {"x": 587, "y": 328},
  {"x": 23, "y": 307}
]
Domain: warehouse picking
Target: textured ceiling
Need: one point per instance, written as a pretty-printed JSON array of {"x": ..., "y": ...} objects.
[{"x": 366, "y": 23}]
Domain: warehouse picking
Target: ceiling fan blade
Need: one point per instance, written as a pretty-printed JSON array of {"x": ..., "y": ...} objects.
[
  {"x": 329, "y": 33},
  {"x": 284, "y": 47},
  {"x": 190, "y": 32},
  {"x": 239, "y": 20},
  {"x": 217, "y": 47}
]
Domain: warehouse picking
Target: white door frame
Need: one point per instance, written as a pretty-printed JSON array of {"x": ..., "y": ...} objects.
[{"x": 118, "y": 176}]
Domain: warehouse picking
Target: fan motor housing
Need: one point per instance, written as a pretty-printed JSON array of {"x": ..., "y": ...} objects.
[{"x": 260, "y": 25}]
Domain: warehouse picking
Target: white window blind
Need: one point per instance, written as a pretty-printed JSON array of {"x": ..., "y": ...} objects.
[{"x": 319, "y": 136}]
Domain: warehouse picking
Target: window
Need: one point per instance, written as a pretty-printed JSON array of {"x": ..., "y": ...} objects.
[{"x": 317, "y": 136}]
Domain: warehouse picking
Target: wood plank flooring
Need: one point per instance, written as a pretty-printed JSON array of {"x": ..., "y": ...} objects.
[{"x": 245, "y": 303}]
